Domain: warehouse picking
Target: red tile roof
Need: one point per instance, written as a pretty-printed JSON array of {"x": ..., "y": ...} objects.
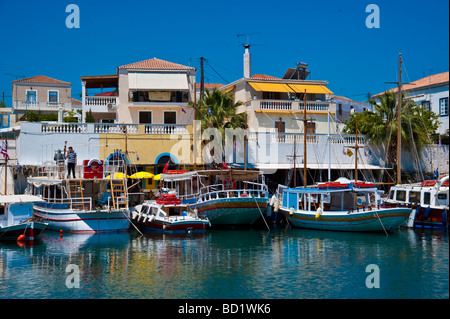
[
  {"x": 41, "y": 79},
  {"x": 156, "y": 64},
  {"x": 432, "y": 80},
  {"x": 264, "y": 77},
  {"x": 209, "y": 86}
]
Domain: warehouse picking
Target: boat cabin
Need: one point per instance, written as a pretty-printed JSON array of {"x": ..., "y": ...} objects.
[
  {"x": 418, "y": 195},
  {"x": 79, "y": 194}
]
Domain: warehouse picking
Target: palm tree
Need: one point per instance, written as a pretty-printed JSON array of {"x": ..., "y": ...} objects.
[
  {"x": 380, "y": 126},
  {"x": 218, "y": 110}
]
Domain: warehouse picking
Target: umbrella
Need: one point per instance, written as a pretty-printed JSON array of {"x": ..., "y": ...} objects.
[
  {"x": 117, "y": 175},
  {"x": 140, "y": 175},
  {"x": 157, "y": 177}
]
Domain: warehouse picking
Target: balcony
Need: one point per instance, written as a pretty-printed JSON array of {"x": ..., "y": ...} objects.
[
  {"x": 317, "y": 107},
  {"x": 101, "y": 104},
  {"x": 41, "y": 106}
]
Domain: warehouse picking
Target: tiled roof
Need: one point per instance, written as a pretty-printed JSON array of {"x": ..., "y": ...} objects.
[
  {"x": 209, "y": 86},
  {"x": 41, "y": 79},
  {"x": 156, "y": 64},
  {"x": 264, "y": 77},
  {"x": 435, "y": 79}
]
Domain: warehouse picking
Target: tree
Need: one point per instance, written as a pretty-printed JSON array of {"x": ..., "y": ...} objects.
[
  {"x": 2, "y": 104},
  {"x": 218, "y": 110},
  {"x": 380, "y": 126},
  {"x": 89, "y": 117}
]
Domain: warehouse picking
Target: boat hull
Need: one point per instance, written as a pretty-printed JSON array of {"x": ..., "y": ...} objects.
[
  {"x": 31, "y": 230},
  {"x": 179, "y": 226},
  {"x": 368, "y": 220},
  {"x": 434, "y": 218},
  {"x": 94, "y": 221},
  {"x": 232, "y": 211}
]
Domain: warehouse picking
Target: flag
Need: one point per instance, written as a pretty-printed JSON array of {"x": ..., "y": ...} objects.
[
  {"x": 4, "y": 151},
  {"x": 224, "y": 165},
  {"x": 137, "y": 157},
  {"x": 436, "y": 174},
  {"x": 166, "y": 167},
  {"x": 349, "y": 152},
  {"x": 182, "y": 110}
]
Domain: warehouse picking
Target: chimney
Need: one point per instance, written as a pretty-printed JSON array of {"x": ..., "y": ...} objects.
[{"x": 247, "y": 62}]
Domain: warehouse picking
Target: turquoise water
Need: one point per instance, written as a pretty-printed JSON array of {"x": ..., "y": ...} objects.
[{"x": 231, "y": 264}]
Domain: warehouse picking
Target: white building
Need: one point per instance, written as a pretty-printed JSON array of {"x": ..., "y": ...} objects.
[{"x": 431, "y": 92}]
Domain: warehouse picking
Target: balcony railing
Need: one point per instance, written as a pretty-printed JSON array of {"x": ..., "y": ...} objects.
[
  {"x": 113, "y": 128},
  {"x": 41, "y": 106},
  {"x": 101, "y": 103},
  {"x": 292, "y": 106},
  {"x": 165, "y": 129}
]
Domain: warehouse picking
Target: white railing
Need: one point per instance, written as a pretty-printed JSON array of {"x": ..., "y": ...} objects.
[
  {"x": 41, "y": 106},
  {"x": 165, "y": 129},
  {"x": 293, "y": 106},
  {"x": 100, "y": 100},
  {"x": 63, "y": 128},
  {"x": 116, "y": 128},
  {"x": 217, "y": 191},
  {"x": 275, "y": 105}
]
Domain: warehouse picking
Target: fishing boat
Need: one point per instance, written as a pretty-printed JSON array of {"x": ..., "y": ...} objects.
[
  {"x": 16, "y": 218},
  {"x": 343, "y": 205},
  {"x": 428, "y": 200},
  {"x": 92, "y": 204},
  {"x": 231, "y": 197},
  {"x": 172, "y": 218}
]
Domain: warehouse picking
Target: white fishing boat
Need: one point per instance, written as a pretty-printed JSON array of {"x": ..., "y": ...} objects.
[
  {"x": 16, "y": 218},
  {"x": 154, "y": 217},
  {"x": 94, "y": 203},
  {"x": 428, "y": 200}
]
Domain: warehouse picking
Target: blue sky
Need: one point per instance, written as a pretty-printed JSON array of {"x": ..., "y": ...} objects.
[{"x": 331, "y": 36}]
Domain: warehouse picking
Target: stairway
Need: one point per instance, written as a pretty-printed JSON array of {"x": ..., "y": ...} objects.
[
  {"x": 75, "y": 194},
  {"x": 118, "y": 189}
]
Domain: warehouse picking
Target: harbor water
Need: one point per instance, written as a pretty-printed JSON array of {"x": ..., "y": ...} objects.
[{"x": 283, "y": 263}]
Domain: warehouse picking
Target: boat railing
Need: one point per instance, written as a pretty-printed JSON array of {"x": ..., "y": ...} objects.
[
  {"x": 211, "y": 188},
  {"x": 233, "y": 193},
  {"x": 73, "y": 203}
]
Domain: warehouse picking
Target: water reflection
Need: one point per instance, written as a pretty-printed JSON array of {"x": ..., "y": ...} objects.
[{"x": 283, "y": 263}]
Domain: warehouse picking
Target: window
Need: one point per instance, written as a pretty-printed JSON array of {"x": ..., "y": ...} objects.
[
  {"x": 145, "y": 117},
  {"x": 414, "y": 197},
  {"x": 443, "y": 106},
  {"x": 340, "y": 109},
  {"x": 427, "y": 105},
  {"x": 170, "y": 117},
  {"x": 53, "y": 96},
  {"x": 401, "y": 195},
  {"x": 31, "y": 96},
  {"x": 426, "y": 198}
]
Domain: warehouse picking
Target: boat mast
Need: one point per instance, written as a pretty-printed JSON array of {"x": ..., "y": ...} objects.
[
  {"x": 399, "y": 121},
  {"x": 6, "y": 167},
  {"x": 304, "y": 140}
]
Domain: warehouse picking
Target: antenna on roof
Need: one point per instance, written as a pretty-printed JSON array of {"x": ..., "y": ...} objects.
[{"x": 247, "y": 35}]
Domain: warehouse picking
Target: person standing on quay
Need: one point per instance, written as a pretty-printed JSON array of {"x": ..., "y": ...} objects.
[{"x": 71, "y": 162}]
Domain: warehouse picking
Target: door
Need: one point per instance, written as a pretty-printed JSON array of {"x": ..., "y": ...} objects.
[{"x": 280, "y": 127}]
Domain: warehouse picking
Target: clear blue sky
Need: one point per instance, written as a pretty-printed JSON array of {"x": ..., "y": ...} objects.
[{"x": 331, "y": 36}]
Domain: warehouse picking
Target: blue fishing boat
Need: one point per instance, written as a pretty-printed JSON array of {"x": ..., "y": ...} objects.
[{"x": 343, "y": 205}]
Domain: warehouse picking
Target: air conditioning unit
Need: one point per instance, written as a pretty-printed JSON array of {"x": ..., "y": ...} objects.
[{"x": 111, "y": 106}]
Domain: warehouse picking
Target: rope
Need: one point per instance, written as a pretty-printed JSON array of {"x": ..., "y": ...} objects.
[{"x": 268, "y": 228}]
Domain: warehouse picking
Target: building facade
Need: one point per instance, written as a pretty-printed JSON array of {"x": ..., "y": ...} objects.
[
  {"x": 41, "y": 94},
  {"x": 433, "y": 93}
]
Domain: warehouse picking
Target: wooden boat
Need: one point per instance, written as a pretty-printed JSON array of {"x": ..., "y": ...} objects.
[
  {"x": 343, "y": 206},
  {"x": 232, "y": 197},
  {"x": 16, "y": 218},
  {"x": 154, "y": 217},
  {"x": 428, "y": 200},
  {"x": 91, "y": 205}
]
